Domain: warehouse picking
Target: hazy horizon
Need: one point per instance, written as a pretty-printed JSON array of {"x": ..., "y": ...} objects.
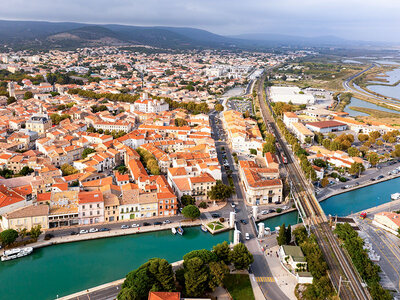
[{"x": 351, "y": 19}]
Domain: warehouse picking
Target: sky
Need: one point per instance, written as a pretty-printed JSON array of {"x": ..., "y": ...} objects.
[{"x": 350, "y": 19}]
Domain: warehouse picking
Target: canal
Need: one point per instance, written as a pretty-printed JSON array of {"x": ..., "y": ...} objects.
[{"x": 67, "y": 268}]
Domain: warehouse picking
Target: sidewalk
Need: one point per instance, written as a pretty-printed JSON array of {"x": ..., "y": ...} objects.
[
  {"x": 285, "y": 281},
  {"x": 106, "y": 234}
]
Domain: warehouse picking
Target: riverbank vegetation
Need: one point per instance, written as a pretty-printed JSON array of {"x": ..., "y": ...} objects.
[
  {"x": 321, "y": 288},
  {"x": 200, "y": 274},
  {"x": 368, "y": 271}
]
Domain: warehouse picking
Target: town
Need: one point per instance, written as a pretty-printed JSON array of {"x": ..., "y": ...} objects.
[{"x": 113, "y": 141}]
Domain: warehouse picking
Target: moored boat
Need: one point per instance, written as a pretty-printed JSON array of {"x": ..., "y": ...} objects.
[
  {"x": 180, "y": 230},
  {"x": 395, "y": 196},
  {"x": 16, "y": 253},
  {"x": 173, "y": 229},
  {"x": 203, "y": 228}
]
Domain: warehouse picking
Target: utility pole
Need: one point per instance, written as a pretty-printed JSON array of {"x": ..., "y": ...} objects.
[{"x": 340, "y": 284}]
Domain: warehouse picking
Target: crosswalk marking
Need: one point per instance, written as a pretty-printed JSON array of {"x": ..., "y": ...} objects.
[{"x": 265, "y": 279}]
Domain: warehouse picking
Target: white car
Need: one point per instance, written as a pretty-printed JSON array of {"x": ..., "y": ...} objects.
[
  {"x": 124, "y": 226},
  {"x": 285, "y": 207},
  {"x": 167, "y": 222},
  {"x": 247, "y": 236},
  {"x": 233, "y": 205},
  {"x": 264, "y": 212},
  {"x": 135, "y": 225},
  {"x": 83, "y": 231},
  {"x": 91, "y": 230}
]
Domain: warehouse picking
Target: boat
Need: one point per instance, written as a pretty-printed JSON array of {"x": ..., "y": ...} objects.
[
  {"x": 395, "y": 196},
  {"x": 16, "y": 253},
  {"x": 204, "y": 228},
  {"x": 173, "y": 229},
  {"x": 180, "y": 230}
]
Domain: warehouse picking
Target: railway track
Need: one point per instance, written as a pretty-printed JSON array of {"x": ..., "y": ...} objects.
[{"x": 339, "y": 264}]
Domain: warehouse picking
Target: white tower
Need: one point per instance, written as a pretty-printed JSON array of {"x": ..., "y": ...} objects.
[
  {"x": 232, "y": 219},
  {"x": 255, "y": 212},
  {"x": 261, "y": 228}
]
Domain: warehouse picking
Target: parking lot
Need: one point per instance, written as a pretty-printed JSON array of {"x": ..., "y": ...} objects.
[{"x": 240, "y": 105}]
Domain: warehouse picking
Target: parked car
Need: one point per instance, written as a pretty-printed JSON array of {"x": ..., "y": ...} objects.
[
  {"x": 146, "y": 224},
  {"x": 271, "y": 210},
  {"x": 233, "y": 205},
  {"x": 124, "y": 226},
  {"x": 134, "y": 225},
  {"x": 215, "y": 215},
  {"x": 243, "y": 221},
  {"x": 380, "y": 177},
  {"x": 104, "y": 229},
  {"x": 247, "y": 236},
  {"x": 157, "y": 223},
  {"x": 83, "y": 231},
  {"x": 73, "y": 233},
  {"x": 285, "y": 207},
  {"x": 264, "y": 212},
  {"x": 92, "y": 230},
  {"x": 167, "y": 222}
]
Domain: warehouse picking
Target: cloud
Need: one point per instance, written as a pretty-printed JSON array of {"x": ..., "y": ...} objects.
[{"x": 355, "y": 19}]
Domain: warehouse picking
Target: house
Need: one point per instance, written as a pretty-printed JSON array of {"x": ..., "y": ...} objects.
[
  {"x": 27, "y": 217},
  {"x": 289, "y": 118},
  {"x": 389, "y": 221},
  {"x": 301, "y": 132},
  {"x": 10, "y": 200},
  {"x": 261, "y": 185},
  {"x": 294, "y": 257},
  {"x": 326, "y": 126},
  {"x": 271, "y": 160},
  {"x": 90, "y": 207}
]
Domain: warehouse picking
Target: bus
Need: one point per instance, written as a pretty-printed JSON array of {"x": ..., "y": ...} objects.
[{"x": 284, "y": 159}]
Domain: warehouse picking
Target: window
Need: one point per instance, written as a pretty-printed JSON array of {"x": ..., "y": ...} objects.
[
  {"x": 83, "y": 214},
  {"x": 91, "y": 213},
  {"x": 90, "y": 206},
  {"x": 98, "y": 204},
  {"x": 98, "y": 212},
  {"x": 83, "y": 206}
]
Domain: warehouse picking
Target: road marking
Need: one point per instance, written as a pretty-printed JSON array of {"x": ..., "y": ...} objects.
[{"x": 265, "y": 279}]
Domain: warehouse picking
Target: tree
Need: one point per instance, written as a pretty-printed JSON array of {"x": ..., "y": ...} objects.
[
  {"x": 353, "y": 151},
  {"x": 67, "y": 169},
  {"x": 308, "y": 140},
  {"x": 35, "y": 231},
  {"x": 218, "y": 271},
  {"x": 220, "y": 191},
  {"x": 281, "y": 238},
  {"x": 87, "y": 151},
  {"x": 187, "y": 200},
  {"x": 191, "y": 212},
  {"x": 253, "y": 151},
  {"x": 396, "y": 151},
  {"x": 269, "y": 147},
  {"x": 154, "y": 275},
  {"x": 324, "y": 182},
  {"x": 373, "y": 158},
  {"x": 241, "y": 257},
  {"x": 23, "y": 232},
  {"x": 219, "y": 107},
  {"x": 25, "y": 171},
  {"x": 320, "y": 163},
  {"x": 375, "y": 135},
  {"x": 196, "y": 277},
  {"x": 222, "y": 251},
  {"x": 8, "y": 236},
  {"x": 363, "y": 137},
  {"x": 28, "y": 95},
  {"x": 356, "y": 168},
  {"x": 288, "y": 234},
  {"x": 205, "y": 255},
  {"x": 180, "y": 122},
  {"x": 122, "y": 169}
]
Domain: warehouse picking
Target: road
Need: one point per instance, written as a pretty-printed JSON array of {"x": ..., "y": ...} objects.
[
  {"x": 260, "y": 266},
  {"x": 339, "y": 264},
  {"x": 349, "y": 87}
]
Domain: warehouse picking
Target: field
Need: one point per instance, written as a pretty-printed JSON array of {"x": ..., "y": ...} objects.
[
  {"x": 239, "y": 286},
  {"x": 215, "y": 225}
]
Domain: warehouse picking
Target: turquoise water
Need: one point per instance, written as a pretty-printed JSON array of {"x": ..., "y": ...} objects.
[
  {"x": 67, "y": 268},
  {"x": 391, "y": 91},
  {"x": 289, "y": 218},
  {"x": 361, "y": 103},
  {"x": 361, "y": 199}
]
